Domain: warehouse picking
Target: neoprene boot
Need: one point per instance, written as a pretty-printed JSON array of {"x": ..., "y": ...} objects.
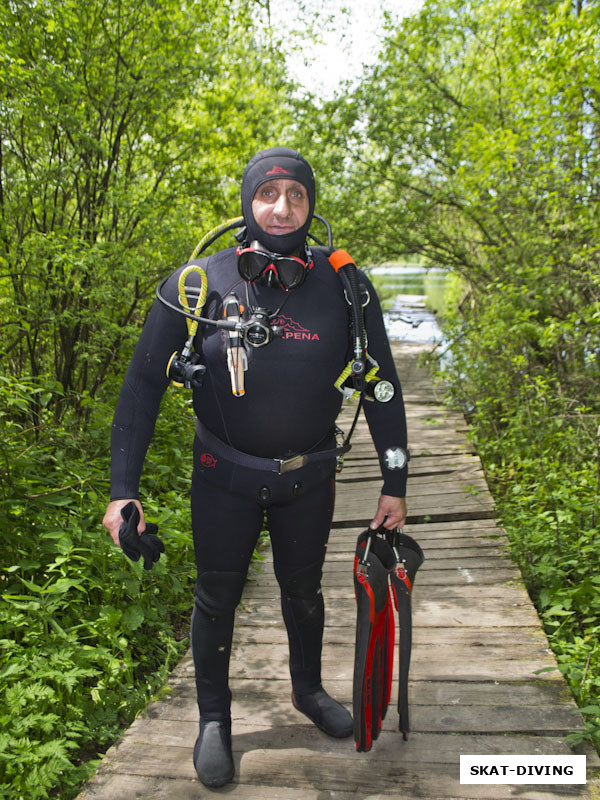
[
  {"x": 328, "y": 715},
  {"x": 304, "y": 615},
  {"x": 213, "y": 758}
]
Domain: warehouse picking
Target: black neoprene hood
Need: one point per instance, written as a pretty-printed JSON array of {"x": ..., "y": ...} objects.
[{"x": 274, "y": 163}]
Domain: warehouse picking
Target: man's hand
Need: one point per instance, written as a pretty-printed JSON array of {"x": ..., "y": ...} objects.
[
  {"x": 113, "y": 520},
  {"x": 392, "y": 510}
]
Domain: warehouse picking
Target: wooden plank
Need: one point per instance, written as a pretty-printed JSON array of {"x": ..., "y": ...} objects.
[
  {"x": 452, "y": 531},
  {"x": 509, "y": 594},
  {"x": 420, "y": 418},
  {"x": 442, "y": 463},
  {"x": 443, "y": 561},
  {"x": 429, "y": 445},
  {"x": 485, "y": 660},
  {"x": 510, "y": 597},
  {"x": 454, "y": 507},
  {"x": 250, "y": 714},
  {"x": 422, "y": 488},
  {"x": 435, "y": 558},
  {"x": 437, "y": 508},
  {"x": 369, "y": 470},
  {"x": 182, "y": 694},
  {"x": 442, "y": 529},
  {"x": 455, "y": 514},
  {"x": 340, "y": 562},
  {"x": 335, "y": 650},
  {"x": 470, "y": 638},
  {"x": 436, "y": 548},
  {"x": 435, "y": 495},
  {"x": 463, "y": 576},
  {"x": 423, "y": 426},
  {"x": 339, "y": 576},
  {"x": 438, "y": 665},
  {"x": 426, "y": 613}
]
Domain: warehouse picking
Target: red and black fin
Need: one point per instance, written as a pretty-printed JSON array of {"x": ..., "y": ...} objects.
[
  {"x": 373, "y": 658},
  {"x": 409, "y": 557}
]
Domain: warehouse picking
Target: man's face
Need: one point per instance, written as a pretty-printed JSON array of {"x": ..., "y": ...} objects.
[{"x": 280, "y": 206}]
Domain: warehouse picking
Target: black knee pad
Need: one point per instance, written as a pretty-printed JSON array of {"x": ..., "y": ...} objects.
[
  {"x": 303, "y": 588},
  {"x": 218, "y": 593}
]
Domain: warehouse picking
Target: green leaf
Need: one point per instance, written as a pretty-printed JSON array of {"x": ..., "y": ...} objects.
[{"x": 133, "y": 617}]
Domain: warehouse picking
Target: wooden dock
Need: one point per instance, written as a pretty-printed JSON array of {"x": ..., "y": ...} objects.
[{"x": 478, "y": 684}]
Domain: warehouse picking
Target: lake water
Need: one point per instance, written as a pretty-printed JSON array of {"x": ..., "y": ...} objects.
[{"x": 412, "y": 297}]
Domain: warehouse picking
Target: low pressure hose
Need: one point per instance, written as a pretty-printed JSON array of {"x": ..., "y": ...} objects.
[
  {"x": 362, "y": 381},
  {"x": 344, "y": 265},
  {"x": 184, "y": 368},
  {"x": 192, "y": 326},
  {"x": 213, "y": 235}
]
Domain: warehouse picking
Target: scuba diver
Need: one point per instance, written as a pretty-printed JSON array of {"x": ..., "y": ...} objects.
[{"x": 274, "y": 353}]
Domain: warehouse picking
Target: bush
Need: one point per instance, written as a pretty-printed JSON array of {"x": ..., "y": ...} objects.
[
  {"x": 86, "y": 635},
  {"x": 534, "y": 419}
]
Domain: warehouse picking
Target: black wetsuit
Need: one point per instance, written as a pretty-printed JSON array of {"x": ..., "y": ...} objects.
[{"x": 289, "y": 407}]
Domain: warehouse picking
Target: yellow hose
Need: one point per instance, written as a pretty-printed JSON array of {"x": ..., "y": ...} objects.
[
  {"x": 205, "y": 238},
  {"x": 346, "y": 374},
  {"x": 372, "y": 374},
  {"x": 192, "y": 326}
]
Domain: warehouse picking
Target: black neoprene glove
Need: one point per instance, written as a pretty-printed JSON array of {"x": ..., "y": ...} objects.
[{"x": 135, "y": 545}]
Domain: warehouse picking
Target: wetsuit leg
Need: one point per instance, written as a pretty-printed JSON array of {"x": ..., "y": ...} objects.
[
  {"x": 299, "y": 533},
  {"x": 226, "y": 528}
]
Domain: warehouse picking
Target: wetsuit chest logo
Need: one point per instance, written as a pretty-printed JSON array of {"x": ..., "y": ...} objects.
[{"x": 293, "y": 330}]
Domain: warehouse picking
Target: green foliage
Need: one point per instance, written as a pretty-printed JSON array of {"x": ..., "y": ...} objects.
[
  {"x": 86, "y": 635},
  {"x": 541, "y": 453},
  {"x": 124, "y": 127}
]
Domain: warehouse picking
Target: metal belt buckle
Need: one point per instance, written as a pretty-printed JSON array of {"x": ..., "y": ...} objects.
[{"x": 290, "y": 464}]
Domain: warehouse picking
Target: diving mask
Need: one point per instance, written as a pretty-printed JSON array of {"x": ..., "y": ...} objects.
[{"x": 287, "y": 272}]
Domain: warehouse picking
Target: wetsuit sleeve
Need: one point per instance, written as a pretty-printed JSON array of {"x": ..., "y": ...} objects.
[
  {"x": 387, "y": 421},
  {"x": 141, "y": 393}
]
